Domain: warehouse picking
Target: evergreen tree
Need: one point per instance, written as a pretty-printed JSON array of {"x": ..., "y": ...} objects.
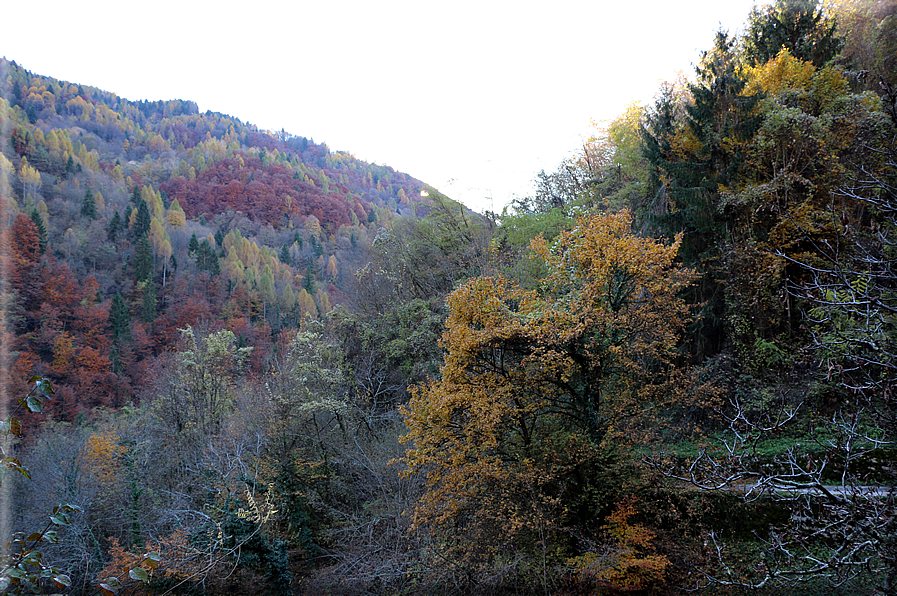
[
  {"x": 143, "y": 221},
  {"x": 795, "y": 25},
  {"x": 148, "y": 309},
  {"x": 41, "y": 230},
  {"x": 119, "y": 319},
  {"x": 693, "y": 154},
  {"x": 143, "y": 259},
  {"x": 193, "y": 245},
  {"x": 88, "y": 205},
  {"x": 206, "y": 259},
  {"x": 114, "y": 226},
  {"x": 308, "y": 282}
]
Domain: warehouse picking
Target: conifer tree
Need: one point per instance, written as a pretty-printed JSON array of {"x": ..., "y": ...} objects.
[
  {"x": 285, "y": 255},
  {"x": 41, "y": 230},
  {"x": 308, "y": 282},
  {"x": 142, "y": 223},
  {"x": 114, "y": 227},
  {"x": 798, "y": 26},
  {"x": 193, "y": 245},
  {"x": 148, "y": 308},
  {"x": 143, "y": 259},
  {"x": 120, "y": 319},
  {"x": 88, "y": 205},
  {"x": 694, "y": 150}
]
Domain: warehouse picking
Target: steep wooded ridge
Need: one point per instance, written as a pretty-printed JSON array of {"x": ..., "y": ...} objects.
[
  {"x": 154, "y": 216},
  {"x": 239, "y": 361}
]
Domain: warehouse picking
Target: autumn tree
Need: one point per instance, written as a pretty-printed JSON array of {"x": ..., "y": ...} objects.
[
  {"x": 536, "y": 387},
  {"x": 30, "y": 179},
  {"x": 835, "y": 483}
]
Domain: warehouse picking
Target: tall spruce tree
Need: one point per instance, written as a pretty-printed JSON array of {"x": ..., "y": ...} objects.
[
  {"x": 143, "y": 259},
  {"x": 89, "y": 205},
  {"x": 119, "y": 319},
  {"x": 143, "y": 220},
  {"x": 798, "y": 26},
  {"x": 115, "y": 225},
  {"x": 149, "y": 311},
  {"x": 193, "y": 245},
  {"x": 695, "y": 150},
  {"x": 41, "y": 230}
]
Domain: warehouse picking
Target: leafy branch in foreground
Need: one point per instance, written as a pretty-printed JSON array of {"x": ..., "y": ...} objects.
[
  {"x": 23, "y": 568},
  {"x": 839, "y": 484}
]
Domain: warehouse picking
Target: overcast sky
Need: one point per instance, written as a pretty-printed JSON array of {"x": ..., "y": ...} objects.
[{"x": 473, "y": 98}]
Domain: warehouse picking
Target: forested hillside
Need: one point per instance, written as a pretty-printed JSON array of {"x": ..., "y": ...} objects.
[
  {"x": 131, "y": 220},
  {"x": 237, "y": 361}
]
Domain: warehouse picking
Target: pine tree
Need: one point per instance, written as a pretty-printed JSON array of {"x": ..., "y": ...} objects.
[
  {"x": 148, "y": 310},
  {"x": 692, "y": 157},
  {"x": 120, "y": 319},
  {"x": 795, "y": 25},
  {"x": 41, "y": 230},
  {"x": 88, "y": 205},
  {"x": 143, "y": 259},
  {"x": 308, "y": 282},
  {"x": 193, "y": 245},
  {"x": 285, "y": 255},
  {"x": 143, "y": 221},
  {"x": 114, "y": 226}
]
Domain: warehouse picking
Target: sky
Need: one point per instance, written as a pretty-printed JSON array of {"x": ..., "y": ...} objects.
[{"x": 471, "y": 97}]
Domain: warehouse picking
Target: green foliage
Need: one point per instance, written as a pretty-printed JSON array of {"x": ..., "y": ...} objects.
[
  {"x": 149, "y": 307},
  {"x": 41, "y": 230},
  {"x": 89, "y": 206},
  {"x": 143, "y": 260},
  {"x": 206, "y": 259},
  {"x": 193, "y": 245},
  {"x": 141, "y": 226},
  {"x": 120, "y": 319},
  {"x": 23, "y": 569},
  {"x": 694, "y": 152},
  {"x": 798, "y": 26},
  {"x": 115, "y": 227}
]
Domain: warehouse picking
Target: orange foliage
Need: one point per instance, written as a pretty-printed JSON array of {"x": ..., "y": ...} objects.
[
  {"x": 178, "y": 560},
  {"x": 63, "y": 353},
  {"x": 103, "y": 456},
  {"x": 626, "y": 565},
  {"x": 536, "y": 383}
]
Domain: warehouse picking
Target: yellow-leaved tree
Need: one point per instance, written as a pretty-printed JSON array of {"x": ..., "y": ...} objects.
[{"x": 515, "y": 440}]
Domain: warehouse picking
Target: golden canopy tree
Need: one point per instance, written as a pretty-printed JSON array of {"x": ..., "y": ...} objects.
[{"x": 536, "y": 384}]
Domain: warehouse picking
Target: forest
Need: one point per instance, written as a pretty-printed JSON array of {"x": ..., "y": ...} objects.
[{"x": 235, "y": 361}]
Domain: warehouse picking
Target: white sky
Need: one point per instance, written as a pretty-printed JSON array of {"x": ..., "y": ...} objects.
[{"x": 471, "y": 97}]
